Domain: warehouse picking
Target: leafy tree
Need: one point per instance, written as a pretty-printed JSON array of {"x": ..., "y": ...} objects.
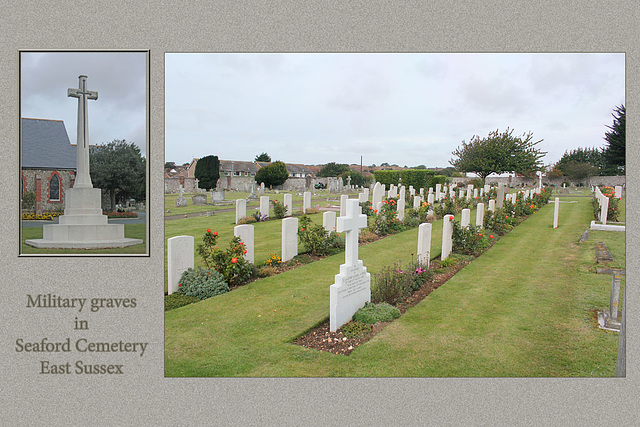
[
  {"x": 614, "y": 152},
  {"x": 272, "y": 175},
  {"x": 333, "y": 169},
  {"x": 119, "y": 168},
  {"x": 579, "y": 171},
  {"x": 356, "y": 178},
  {"x": 385, "y": 164},
  {"x": 207, "y": 172},
  {"x": 588, "y": 156},
  {"x": 498, "y": 153},
  {"x": 264, "y": 157},
  {"x": 169, "y": 165}
]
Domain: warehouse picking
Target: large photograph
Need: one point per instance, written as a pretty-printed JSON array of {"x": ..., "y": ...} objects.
[
  {"x": 83, "y": 150},
  {"x": 394, "y": 215}
]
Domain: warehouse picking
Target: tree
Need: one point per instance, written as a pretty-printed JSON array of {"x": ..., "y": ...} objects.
[
  {"x": 264, "y": 157},
  {"x": 356, "y": 178},
  {"x": 207, "y": 172},
  {"x": 272, "y": 175},
  {"x": 119, "y": 168},
  {"x": 498, "y": 153},
  {"x": 588, "y": 156},
  {"x": 333, "y": 169},
  {"x": 614, "y": 152},
  {"x": 579, "y": 171},
  {"x": 169, "y": 165}
]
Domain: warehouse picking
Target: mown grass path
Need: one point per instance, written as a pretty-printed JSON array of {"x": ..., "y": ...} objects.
[{"x": 523, "y": 308}]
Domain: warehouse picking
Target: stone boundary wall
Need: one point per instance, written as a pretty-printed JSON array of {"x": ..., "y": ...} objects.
[
  {"x": 241, "y": 183},
  {"x": 511, "y": 181}
]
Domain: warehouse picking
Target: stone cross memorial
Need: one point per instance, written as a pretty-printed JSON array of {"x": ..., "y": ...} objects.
[
  {"x": 352, "y": 287},
  {"x": 83, "y": 226}
]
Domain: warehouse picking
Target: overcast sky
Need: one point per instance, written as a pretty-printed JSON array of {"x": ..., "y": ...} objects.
[
  {"x": 118, "y": 77},
  {"x": 404, "y": 109}
]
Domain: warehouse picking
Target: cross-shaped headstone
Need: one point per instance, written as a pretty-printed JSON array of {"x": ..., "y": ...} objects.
[
  {"x": 351, "y": 224},
  {"x": 83, "y": 180},
  {"x": 181, "y": 190}
]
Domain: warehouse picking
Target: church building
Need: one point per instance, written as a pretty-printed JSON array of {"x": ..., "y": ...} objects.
[{"x": 48, "y": 163}]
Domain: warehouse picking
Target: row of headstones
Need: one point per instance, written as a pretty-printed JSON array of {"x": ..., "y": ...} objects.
[
  {"x": 264, "y": 209},
  {"x": 198, "y": 199}
]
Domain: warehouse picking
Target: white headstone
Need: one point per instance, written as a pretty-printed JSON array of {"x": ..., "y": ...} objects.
[
  {"x": 461, "y": 193},
  {"x": 412, "y": 190},
  {"x": 306, "y": 201},
  {"x": 500, "y": 196},
  {"x": 289, "y": 238},
  {"x": 422, "y": 192},
  {"x": 480, "y": 215},
  {"x": 245, "y": 233},
  {"x": 487, "y": 187},
  {"x": 378, "y": 193},
  {"x": 417, "y": 201},
  {"x": 352, "y": 287},
  {"x": 343, "y": 204},
  {"x": 430, "y": 198},
  {"x": 329, "y": 221},
  {"x": 241, "y": 209},
  {"x": 618, "y": 189},
  {"x": 447, "y": 235},
  {"x": 363, "y": 197},
  {"x": 556, "y": 211},
  {"x": 469, "y": 191},
  {"x": 288, "y": 204},
  {"x": 179, "y": 259},
  {"x": 465, "y": 221},
  {"x": 604, "y": 210},
  {"x": 403, "y": 193},
  {"x": 424, "y": 244},
  {"x": 264, "y": 205},
  {"x": 492, "y": 205},
  {"x": 438, "y": 190},
  {"x": 400, "y": 208},
  {"x": 475, "y": 193}
]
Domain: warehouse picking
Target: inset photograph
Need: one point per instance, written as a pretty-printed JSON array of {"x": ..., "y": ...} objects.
[{"x": 83, "y": 150}]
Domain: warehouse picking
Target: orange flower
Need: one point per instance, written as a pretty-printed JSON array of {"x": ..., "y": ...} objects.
[{"x": 234, "y": 260}]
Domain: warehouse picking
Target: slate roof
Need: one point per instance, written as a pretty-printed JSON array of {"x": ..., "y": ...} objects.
[
  {"x": 227, "y": 165},
  {"x": 45, "y": 145}
]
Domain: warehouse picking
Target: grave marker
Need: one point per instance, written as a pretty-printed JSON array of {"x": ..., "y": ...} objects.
[
  {"x": 466, "y": 218},
  {"x": 424, "y": 244},
  {"x": 343, "y": 204},
  {"x": 306, "y": 201},
  {"x": 480, "y": 215},
  {"x": 288, "y": 204},
  {"x": 264, "y": 206},
  {"x": 352, "y": 287},
  {"x": 241, "y": 209},
  {"x": 289, "y": 238},
  {"x": 556, "y": 211},
  {"x": 329, "y": 221},
  {"x": 447, "y": 236},
  {"x": 245, "y": 233},
  {"x": 180, "y": 257}
]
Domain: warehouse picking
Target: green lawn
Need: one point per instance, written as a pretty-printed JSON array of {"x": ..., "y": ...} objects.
[
  {"x": 525, "y": 307},
  {"x": 133, "y": 231}
]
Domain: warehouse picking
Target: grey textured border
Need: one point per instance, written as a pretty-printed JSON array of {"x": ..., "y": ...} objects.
[{"x": 144, "y": 396}]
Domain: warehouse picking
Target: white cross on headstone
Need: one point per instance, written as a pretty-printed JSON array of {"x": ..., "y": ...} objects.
[
  {"x": 83, "y": 179},
  {"x": 351, "y": 224}
]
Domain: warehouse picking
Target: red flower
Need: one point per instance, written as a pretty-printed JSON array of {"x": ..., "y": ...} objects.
[
  {"x": 245, "y": 251},
  {"x": 208, "y": 230},
  {"x": 491, "y": 236},
  {"x": 179, "y": 284},
  {"x": 480, "y": 235},
  {"x": 215, "y": 233},
  {"x": 234, "y": 260},
  {"x": 303, "y": 229}
]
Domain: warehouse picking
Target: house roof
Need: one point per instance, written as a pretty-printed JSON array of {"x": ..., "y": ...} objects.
[
  {"x": 235, "y": 165},
  {"x": 45, "y": 145},
  {"x": 292, "y": 168}
]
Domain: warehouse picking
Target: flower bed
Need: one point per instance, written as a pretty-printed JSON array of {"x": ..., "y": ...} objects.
[
  {"x": 45, "y": 216},
  {"x": 124, "y": 214}
]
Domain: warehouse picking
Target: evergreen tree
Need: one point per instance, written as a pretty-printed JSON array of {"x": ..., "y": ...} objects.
[
  {"x": 264, "y": 157},
  {"x": 207, "y": 172},
  {"x": 272, "y": 175},
  {"x": 614, "y": 152},
  {"x": 333, "y": 169}
]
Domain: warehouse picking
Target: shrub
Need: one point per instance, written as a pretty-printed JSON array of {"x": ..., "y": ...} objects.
[
  {"x": 230, "y": 262},
  {"x": 497, "y": 222},
  {"x": 386, "y": 222},
  {"x": 355, "y": 329},
  {"x": 373, "y": 313},
  {"x": 202, "y": 283},
  {"x": 468, "y": 241},
  {"x": 366, "y": 208},
  {"x": 446, "y": 207},
  {"x": 417, "y": 276},
  {"x": 412, "y": 221},
  {"x": 316, "y": 240},
  {"x": 366, "y": 236},
  {"x": 29, "y": 200},
  {"x": 246, "y": 220},
  {"x": 266, "y": 271},
  {"x": 177, "y": 299},
  {"x": 259, "y": 217},
  {"x": 390, "y": 285},
  {"x": 279, "y": 209},
  {"x": 449, "y": 262}
]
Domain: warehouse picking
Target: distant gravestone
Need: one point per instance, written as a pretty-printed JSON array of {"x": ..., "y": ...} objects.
[
  {"x": 556, "y": 211},
  {"x": 217, "y": 195},
  {"x": 469, "y": 191},
  {"x": 329, "y": 221},
  {"x": 261, "y": 189},
  {"x": 487, "y": 187},
  {"x": 289, "y": 238},
  {"x": 465, "y": 220},
  {"x": 480, "y": 215},
  {"x": 500, "y": 196},
  {"x": 241, "y": 209},
  {"x": 402, "y": 193},
  {"x": 352, "y": 287},
  {"x": 604, "y": 210},
  {"x": 181, "y": 201},
  {"x": 430, "y": 198},
  {"x": 424, "y": 244},
  {"x": 245, "y": 233},
  {"x": 492, "y": 206},
  {"x": 363, "y": 197},
  {"x": 618, "y": 189},
  {"x": 412, "y": 191},
  {"x": 288, "y": 204},
  {"x": 199, "y": 200},
  {"x": 264, "y": 206},
  {"x": 438, "y": 190},
  {"x": 447, "y": 235},
  {"x": 422, "y": 192},
  {"x": 461, "y": 193},
  {"x": 179, "y": 259},
  {"x": 306, "y": 201},
  {"x": 475, "y": 193}
]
